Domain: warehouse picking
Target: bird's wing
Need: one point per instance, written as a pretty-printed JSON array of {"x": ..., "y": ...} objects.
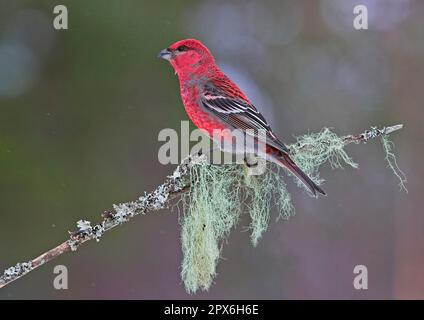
[{"x": 239, "y": 114}]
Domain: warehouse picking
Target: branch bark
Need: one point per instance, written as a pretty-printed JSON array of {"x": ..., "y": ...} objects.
[{"x": 173, "y": 186}]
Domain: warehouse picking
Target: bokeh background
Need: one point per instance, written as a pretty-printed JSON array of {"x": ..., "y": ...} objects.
[{"x": 80, "y": 111}]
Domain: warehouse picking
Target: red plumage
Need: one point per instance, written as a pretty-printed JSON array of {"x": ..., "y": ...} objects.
[{"x": 214, "y": 102}]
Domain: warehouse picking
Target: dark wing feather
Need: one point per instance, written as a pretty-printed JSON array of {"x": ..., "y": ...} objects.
[{"x": 240, "y": 114}]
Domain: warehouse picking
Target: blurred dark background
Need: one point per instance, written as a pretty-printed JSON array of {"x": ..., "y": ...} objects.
[{"x": 80, "y": 111}]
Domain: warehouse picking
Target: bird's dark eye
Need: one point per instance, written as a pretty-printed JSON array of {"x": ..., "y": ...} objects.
[{"x": 182, "y": 48}]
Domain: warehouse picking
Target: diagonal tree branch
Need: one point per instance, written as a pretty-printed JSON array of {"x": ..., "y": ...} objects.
[{"x": 174, "y": 186}]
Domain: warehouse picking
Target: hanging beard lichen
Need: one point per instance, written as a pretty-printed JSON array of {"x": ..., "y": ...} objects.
[
  {"x": 264, "y": 191},
  {"x": 218, "y": 195},
  {"x": 392, "y": 163},
  {"x": 210, "y": 210},
  {"x": 312, "y": 150}
]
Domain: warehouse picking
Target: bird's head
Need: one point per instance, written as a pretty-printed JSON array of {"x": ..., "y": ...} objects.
[{"x": 188, "y": 55}]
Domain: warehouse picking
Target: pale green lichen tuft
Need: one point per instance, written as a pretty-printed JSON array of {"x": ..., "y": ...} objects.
[
  {"x": 392, "y": 162},
  {"x": 259, "y": 190},
  {"x": 282, "y": 196},
  {"x": 218, "y": 194},
  {"x": 212, "y": 208},
  {"x": 264, "y": 191},
  {"x": 312, "y": 150}
]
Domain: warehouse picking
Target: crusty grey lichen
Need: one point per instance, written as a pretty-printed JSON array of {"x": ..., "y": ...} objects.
[
  {"x": 123, "y": 212},
  {"x": 17, "y": 270}
]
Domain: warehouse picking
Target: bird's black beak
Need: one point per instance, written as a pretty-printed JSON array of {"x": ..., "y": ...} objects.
[{"x": 165, "y": 54}]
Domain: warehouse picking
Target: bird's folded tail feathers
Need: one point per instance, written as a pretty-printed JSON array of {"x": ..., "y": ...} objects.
[{"x": 287, "y": 162}]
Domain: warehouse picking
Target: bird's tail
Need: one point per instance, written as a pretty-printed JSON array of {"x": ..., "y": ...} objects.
[{"x": 286, "y": 161}]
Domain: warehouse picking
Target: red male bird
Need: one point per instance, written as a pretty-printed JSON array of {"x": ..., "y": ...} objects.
[{"x": 214, "y": 102}]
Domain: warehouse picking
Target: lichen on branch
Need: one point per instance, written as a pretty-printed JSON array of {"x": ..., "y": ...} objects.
[
  {"x": 214, "y": 197},
  {"x": 218, "y": 193}
]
